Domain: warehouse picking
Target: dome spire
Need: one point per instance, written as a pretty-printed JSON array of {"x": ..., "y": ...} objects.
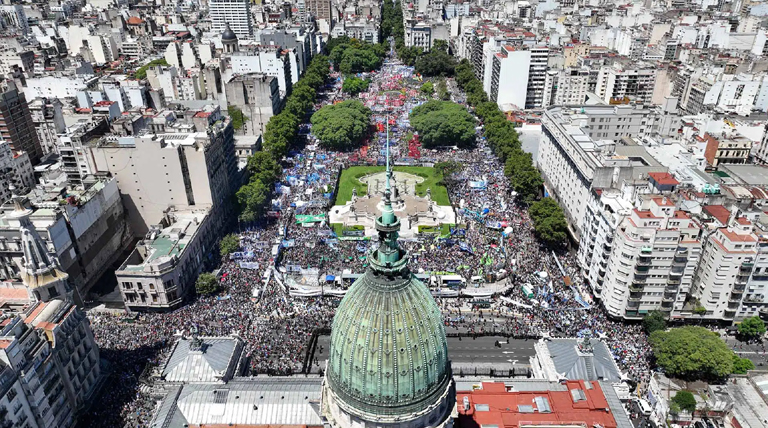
[{"x": 388, "y": 256}]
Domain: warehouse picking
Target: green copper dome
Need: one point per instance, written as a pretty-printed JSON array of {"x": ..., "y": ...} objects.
[{"x": 388, "y": 351}]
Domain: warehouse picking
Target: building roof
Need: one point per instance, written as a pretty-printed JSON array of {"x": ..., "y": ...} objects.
[
  {"x": 134, "y": 20},
  {"x": 253, "y": 401},
  {"x": 208, "y": 362},
  {"x": 582, "y": 403},
  {"x": 576, "y": 363},
  {"x": 663, "y": 178},
  {"x": 719, "y": 212}
]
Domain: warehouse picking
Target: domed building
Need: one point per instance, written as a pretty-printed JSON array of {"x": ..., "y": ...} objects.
[
  {"x": 388, "y": 364},
  {"x": 229, "y": 40}
]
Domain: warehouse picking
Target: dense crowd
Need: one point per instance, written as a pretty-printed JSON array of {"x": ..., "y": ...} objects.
[{"x": 255, "y": 304}]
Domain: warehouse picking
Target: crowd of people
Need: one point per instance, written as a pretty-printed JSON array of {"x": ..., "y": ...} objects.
[{"x": 277, "y": 327}]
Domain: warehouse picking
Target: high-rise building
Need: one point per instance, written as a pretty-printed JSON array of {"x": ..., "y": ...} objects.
[
  {"x": 236, "y": 13},
  {"x": 656, "y": 250},
  {"x": 388, "y": 364},
  {"x": 321, "y": 9},
  {"x": 194, "y": 163},
  {"x": 16, "y": 124}
]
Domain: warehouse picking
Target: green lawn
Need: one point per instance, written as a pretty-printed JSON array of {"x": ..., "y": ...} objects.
[{"x": 432, "y": 179}]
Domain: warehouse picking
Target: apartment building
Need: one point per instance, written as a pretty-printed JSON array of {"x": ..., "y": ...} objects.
[
  {"x": 270, "y": 61},
  {"x": 589, "y": 147},
  {"x": 186, "y": 164},
  {"x": 566, "y": 87},
  {"x": 653, "y": 262},
  {"x": 16, "y": 126},
  {"x": 726, "y": 267},
  {"x": 236, "y": 13},
  {"x": 258, "y": 97},
  {"x": 48, "y": 119},
  {"x": 728, "y": 148},
  {"x": 84, "y": 227},
  {"x": 49, "y": 347},
  {"x": 622, "y": 83},
  {"x": 15, "y": 171},
  {"x": 510, "y": 70},
  {"x": 537, "y": 76}
]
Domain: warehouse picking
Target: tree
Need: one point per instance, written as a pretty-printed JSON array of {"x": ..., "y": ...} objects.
[
  {"x": 442, "y": 90},
  {"x": 443, "y": 123},
  {"x": 355, "y": 85},
  {"x": 440, "y": 45},
  {"x": 435, "y": 63},
  {"x": 448, "y": 168},
  {"x": 523, "y": 176},
  {"x": 427, "y": 89},
  {"x": 549, "y": 221},
  {"x": 742, "y": 365},
  {"x": 263, "y": 167},
  {"x": 359, "y": 60},
  {"x": 475, "y": 93},
  {"x": 409, "y": 55},
  {"x": 692, "y": 353},
  {"x": 206, "y": 283},
  {"x": 279, "y": 134},
  {"x": 654, "y": 321},
  {"x": 237, "y": 117},
  {"x": 341, "y": 126},
  {"x": 752, "y": 328},
  {"x": 229, "y": 244},
  {"x": 685, "y": 400},
  {"x": 253, "y": 199}
]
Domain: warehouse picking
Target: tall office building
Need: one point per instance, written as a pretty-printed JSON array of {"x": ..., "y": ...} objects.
[
  {"x": 16, "y": 126},
  {"x": 320, "y": 9},
  {"x": 236, "y": 13}
]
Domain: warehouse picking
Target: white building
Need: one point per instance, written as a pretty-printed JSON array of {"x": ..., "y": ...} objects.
[
  {"x": 727, "y": 263},
  {"x": 566, "y": 87},
  {"x": 586, "y": 147},
  {"x": 509, "y": 77},
  {"x": 236, "y": 13},
  {"x": 626, "y": 81},
  {"x": 271, "y": 62},
  {"x": 651, "y": 267}
]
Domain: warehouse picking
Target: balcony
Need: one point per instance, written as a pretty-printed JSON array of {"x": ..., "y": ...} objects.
[
  {"x": 642, "y": 270},
  {"x": 646, "y": 250},
  {"x": 671, "y": 281},
  {"x": 633, "y": 304},
  {"x": 677, "y": 260},
  {"x": 669, "y": 297},
  {"x": 635, "y": 296},
  {"x": 638, "y": 281},
  {"x": 644, "y": 261},
  {"x": 635, "y": 289}
]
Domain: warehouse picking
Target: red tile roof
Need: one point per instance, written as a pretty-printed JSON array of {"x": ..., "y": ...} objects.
[
  {"x": 719, "y": 212},
  {"x": 504, "y": 407},
  {"x": 664, "y": 178}
]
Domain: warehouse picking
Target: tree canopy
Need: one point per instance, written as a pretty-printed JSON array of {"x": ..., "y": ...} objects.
[
  {"x": 692, "y": 353},
  {"x": 229, "y": 244},
  {"x": 443, "y": 123},
  {"x": 427, "y": 89},
  {"x": 524, "y": 178},
  {"x": 448, "y": 168},
  {"x": 253, "y": 199},
  {"x": 742, "y": 365},
  {"x": 435, "y": 63},
  {"x": 549, "y": 221},
  {"x": 206, "y": 284},
  {"x": 355, "y": 56},
  {"x": 354, "y": 85},
  {"x": 654, "y": 321},
  {"x": 263, "y": 167},
  {"x": 752, "y": 328},
  {"x": 341, "y": 126},
  {"x": 685, "y": 400}
]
